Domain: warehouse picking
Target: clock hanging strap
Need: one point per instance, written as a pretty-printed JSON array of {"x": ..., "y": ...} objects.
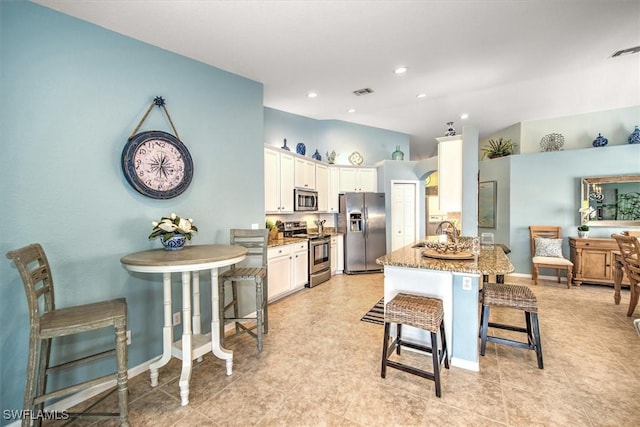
[{"x": 160, "y": 102}]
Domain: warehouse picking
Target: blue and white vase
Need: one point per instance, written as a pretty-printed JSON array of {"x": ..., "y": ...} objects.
[
  {"x": 284, "y": 147},
  {"x": 173, "y": 243},
  {"x": 600, "y": 141},
  {"x": 634, "y": 137},
  {"x": 317, "y": 156},
  {"x": 301, "y": 149}
]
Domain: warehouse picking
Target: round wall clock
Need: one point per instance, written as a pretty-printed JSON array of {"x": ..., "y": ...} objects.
[{"x": 157, "y": 164}]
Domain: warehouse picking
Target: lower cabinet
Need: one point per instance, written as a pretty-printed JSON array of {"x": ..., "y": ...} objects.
[
  {"x": 288, "y": 267},
  {"x": 337, "y": 254},
  {"x": 593, "y": 260}
]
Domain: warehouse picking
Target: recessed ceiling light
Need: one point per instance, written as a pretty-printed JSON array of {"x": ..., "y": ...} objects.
[
  {"x": 400, "y": 70},
  {"x": 464, "y": 116},
  {"x": 421, "y": 95},
  {"x": 351, "y": 110},
  {"x": 312, "y": 95}
]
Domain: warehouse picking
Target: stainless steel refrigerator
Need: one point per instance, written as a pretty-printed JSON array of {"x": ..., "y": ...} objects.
[{"x": 361, "y": 219}]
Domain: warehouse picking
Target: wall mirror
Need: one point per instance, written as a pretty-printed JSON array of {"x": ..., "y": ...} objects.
[{"x": 611, "y": 201}]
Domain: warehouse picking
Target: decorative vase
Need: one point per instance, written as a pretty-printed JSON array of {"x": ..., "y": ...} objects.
[
  {"x": 173, "y": 243},
  {"x": 583, "y": 234},
  {"x": 317, "y": 156},
  {"x": 397, "y": 155},
  {"x": 600, "y": 141},
  {"x": 284, "y": 147},
  {"x": 331, "y": 157},
  {"x": 301, "y": 149},
  {"x": 634, "y": 137},
  {"x": 450, "y": 131}
]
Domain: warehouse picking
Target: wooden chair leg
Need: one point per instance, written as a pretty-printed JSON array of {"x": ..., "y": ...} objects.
[
  {"x": 385, "y": 343},
  {"x": 569, "y": 277},
  {"x": 485, "y": 328},
  {"x": 558, "y": 274},
  {"x": 259, "y": 312},
  {"x": 234, "y": 293},
  {"x": 536, "y": 336},
  {"x": 633, "y": 299},
  {"x": 221, "y": 311},
  {"x": 265, "y": 303},
  {"x": 535, "y": 274},
  {"x": 436, "y": 362},
  {"x": 121, "y": 361}
]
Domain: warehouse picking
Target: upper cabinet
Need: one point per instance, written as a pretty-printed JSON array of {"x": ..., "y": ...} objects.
[
  {"x": 305, "y": 174},
  {"x": 334, "y": 189},
  {"x": 278, "y": 181},
  {"x": 360, "y": 179},
  {"x": 322, "y": 186}
]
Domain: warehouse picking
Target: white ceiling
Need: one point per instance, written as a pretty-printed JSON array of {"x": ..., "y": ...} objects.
[{"x": 500, "y": 61}]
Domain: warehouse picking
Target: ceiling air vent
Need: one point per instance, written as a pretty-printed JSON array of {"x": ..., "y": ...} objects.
[
  {"x": 365, "y": 91},
  {"x": 626, "y": 51}
]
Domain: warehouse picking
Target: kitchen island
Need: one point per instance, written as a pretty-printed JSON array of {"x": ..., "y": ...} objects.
[{"x": 455, "y": 282}]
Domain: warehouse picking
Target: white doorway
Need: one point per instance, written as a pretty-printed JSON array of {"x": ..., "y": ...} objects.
[{"x": 405, "y": 212}]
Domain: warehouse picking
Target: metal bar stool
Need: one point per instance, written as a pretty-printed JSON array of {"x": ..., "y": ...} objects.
[
  {"x": 256, "y": 241},
  {"x": 420, "y": 312},
  {"x": 48, "y": 322},
  {"x": 517, "y": 297}
]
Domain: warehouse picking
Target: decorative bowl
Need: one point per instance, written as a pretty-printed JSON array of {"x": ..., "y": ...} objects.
[{"x": 448, "y": 247}]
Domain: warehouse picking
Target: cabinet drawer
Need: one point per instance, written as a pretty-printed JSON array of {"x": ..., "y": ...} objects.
[
  {"x": 300, "y": 247},
  {"x": 278, "y": 251}
]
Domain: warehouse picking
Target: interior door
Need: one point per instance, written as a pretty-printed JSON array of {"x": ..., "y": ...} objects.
[{"x": 404, "y": 214}]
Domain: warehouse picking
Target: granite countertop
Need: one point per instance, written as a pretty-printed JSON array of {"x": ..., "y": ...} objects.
[{"x": 490, "y": 261}]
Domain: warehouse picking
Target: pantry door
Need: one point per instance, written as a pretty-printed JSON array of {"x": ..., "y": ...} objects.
[{"x": 404, "y": 213}]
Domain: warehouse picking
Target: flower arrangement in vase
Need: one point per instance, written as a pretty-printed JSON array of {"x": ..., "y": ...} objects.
[
  {"x": 173, "y": 231},
  {"x": 498, "y": 148}
]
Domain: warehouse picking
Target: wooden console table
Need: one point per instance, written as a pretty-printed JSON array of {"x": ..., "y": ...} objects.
[{"x": 594, "y": 262}]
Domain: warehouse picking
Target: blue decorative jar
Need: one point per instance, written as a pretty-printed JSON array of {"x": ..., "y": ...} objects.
[
  {"x": 284, "y": 147},
  {"x": 301, "y": 149},
  {"x": 600, "y": 141},
  {"x": 317, "y": 156},
  {"x": 634, "y": 137},
  {"x": 397, "y": 155},
  {"x": 173, "y": 243}
]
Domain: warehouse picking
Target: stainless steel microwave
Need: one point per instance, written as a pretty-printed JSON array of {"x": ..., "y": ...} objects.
[{"x": 305, "y": 200}]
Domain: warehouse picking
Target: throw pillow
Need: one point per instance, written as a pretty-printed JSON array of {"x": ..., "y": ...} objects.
[{"x": 548, "y": 247}]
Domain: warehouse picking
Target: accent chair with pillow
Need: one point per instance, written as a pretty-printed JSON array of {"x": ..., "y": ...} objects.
[{"x": 546, "y": 252}]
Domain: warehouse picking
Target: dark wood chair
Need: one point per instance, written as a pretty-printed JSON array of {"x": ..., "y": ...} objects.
[
  {"x": 48, "y": 322},
  {"x": 253, "y": 269},
  {"x": 539, "y": 260},
  {"x": 630, "y": 250}
]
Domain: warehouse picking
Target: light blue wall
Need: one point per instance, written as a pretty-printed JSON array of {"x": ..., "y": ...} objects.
[
  {"x": 374, "y": 144},
  {"x": 544, "y": 189},
  {"x": 72, "y": 93}
]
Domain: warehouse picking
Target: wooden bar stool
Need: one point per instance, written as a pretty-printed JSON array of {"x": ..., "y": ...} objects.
[
  {"x": 517, "y": 297},
  {"x": 48, "y": 322},
  {"x": 420, "y": 312}
]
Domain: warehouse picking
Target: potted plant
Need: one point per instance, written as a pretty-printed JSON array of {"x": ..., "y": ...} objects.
[
  {"x": 500, "y": 148},
  {"x": 173, "y": 231},
  {"x": 273, "y": 229},
  {"x": 583, "y": 231}
]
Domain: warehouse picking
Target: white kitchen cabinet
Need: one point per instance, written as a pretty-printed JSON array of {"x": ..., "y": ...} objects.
[
  {"x": 300, "y": 267},
  {"x": 358, "y": 179},
  {"x": 322, "y": 186},
  {"x": 278, "y": 181},
  {"x": 337, "y": 254},
  {"x": 334, "y": 190},
  {"x": 305, "y": 174},
  {"x": 288, "y": 268}
]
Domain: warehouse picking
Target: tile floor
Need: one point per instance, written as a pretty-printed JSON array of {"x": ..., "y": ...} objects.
[{"x": 321, "y": 367}]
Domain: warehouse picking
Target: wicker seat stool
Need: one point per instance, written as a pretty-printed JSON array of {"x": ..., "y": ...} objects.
[
  {"x": 420, "y": 312},
  {"x": 517, "y": 297}
]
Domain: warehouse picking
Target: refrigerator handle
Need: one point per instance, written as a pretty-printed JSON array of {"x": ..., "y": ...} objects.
[{"x": 365, "y": 222}]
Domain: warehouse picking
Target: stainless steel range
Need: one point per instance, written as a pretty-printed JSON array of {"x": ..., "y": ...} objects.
[{"x": 319, "y": 251}]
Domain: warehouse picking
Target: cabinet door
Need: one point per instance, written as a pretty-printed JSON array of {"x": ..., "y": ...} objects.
[
  {"x": 367, "y": 178},
  {"x": 300, "y": 267},
  {"x": 334, "y": 255},
  {"x": 272, "y": 181},
  {"x": 279, "y": 271},
  {"x": 596, "y": 265},
  {"x": 348, "y": 179},
  {"x": 339, "y": 253},
  {"x": 322, "y": 186},
  {"x": 334, "y": 189},
  {"x": 305, "y": 174},
  {"x": 286, "y": 183}
]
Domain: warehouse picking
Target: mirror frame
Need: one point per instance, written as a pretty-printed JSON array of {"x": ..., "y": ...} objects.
[{"x": 587, "y": 181}]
